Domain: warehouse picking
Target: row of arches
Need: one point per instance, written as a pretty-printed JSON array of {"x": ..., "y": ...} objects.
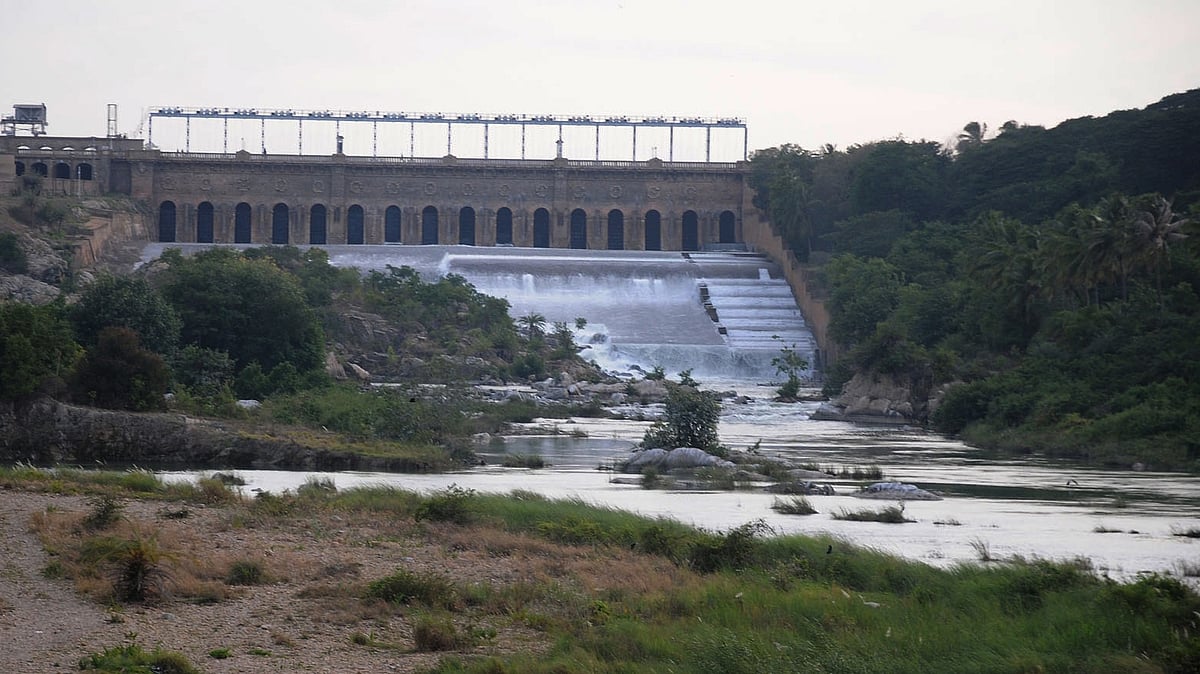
[
  {"x": 61, "y": 170},
  {"x": 430, "y": 230}
]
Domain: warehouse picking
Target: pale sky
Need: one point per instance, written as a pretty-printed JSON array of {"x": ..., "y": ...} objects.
[{"x": 810, "y": 73}]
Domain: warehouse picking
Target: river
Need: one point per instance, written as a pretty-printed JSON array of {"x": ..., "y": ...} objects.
[{"x": 1124, "y": 523}]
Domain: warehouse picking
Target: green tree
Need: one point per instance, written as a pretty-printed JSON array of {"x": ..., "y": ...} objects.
[
  {"x": 863, "y": 293},
  {"x": 36, "y": 344},
  {"x": 1010, "y": 261},
  {"x": 789, "y": 363},
  {"x": 119, "y": 374},
  {"x": 204, "y": 372},
  {"x": 248, "y": 308},
  {"x": 126, "y": 302},
  {"x": 689, "y": 420}
]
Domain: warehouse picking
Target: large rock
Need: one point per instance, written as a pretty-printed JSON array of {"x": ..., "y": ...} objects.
[
  {"x": 42, "y": 262},
  {"x": 897, "y": 491},
  {"x": 876, "y": 398},
  {"x": 27, "y": 290},
  {"x": 675, "y": 459}
]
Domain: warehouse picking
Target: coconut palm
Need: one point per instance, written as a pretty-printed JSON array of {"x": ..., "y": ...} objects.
[
  {"x": 534, "y": 324},
  {"x": 1011, "y": 261},
  {"x": 1155, "y": 227},
  {"x": 971, "y": 136}
]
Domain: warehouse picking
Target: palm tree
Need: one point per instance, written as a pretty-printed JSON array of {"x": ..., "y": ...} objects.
[
  {"x": 1012, "y": 260},
  {"x": 971, "y": 136},
  {"x": 1110, "y": 248},
  {"x": 534, "y": 324},
  {"x": 1156, "y": 227}
]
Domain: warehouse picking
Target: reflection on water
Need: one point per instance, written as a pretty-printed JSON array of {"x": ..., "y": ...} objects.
[{"x": 1012, "y": 506}]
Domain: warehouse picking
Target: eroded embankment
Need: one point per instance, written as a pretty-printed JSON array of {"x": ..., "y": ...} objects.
[{"x": 48, "y": 432}]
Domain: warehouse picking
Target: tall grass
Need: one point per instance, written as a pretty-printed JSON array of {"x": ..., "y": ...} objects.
[{"x": 893, "y": 514}]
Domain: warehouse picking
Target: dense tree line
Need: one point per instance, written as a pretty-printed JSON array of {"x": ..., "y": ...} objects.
[
  {"x": 1052, "y": 276},
  {"x": 223, "y": 324}
]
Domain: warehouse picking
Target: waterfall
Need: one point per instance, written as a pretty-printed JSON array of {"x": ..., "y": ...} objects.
[{"x": 721, "y": 315}]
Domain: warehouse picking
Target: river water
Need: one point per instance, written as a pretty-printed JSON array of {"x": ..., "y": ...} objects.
[
  {"x": 645, "y": 309},
  {"x": 1004, "y": 506}
]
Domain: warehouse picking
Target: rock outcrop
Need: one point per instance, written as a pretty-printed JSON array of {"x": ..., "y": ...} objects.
[
  {"x": 44, "y": 270},
  {"x": 878, "y": 399},
  {"x": 48, "y": 432}
]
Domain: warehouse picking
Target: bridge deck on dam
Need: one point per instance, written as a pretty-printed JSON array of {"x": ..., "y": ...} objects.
[{"x": 641, "y": 307}]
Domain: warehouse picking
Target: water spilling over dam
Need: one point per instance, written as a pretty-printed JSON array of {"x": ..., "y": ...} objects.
[{"x": 722, "y": 315}]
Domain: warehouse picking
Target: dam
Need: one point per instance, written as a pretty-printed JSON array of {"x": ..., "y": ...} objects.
[{"x": 723, "y": 315}]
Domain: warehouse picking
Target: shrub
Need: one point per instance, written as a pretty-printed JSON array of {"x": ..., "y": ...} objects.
[
  {"x": 137, "y": 565},
  {"x": 523, "y": 461},
  {"x": 732, "y": 551},
  {"x": 132, "y": 659},
  {"x": 316, "y": 486},
  {"x": 405, "y": 587},
  {"x": 797, "y": 505},
  {"x": 889, "y": 515},
  {"x": 106, "y": 511},
  {"x": 246, "y": 572},
  {"x": 431, "y": 634},
  {"x": 214, "y": 491},
  {"x": 452, "y": 504}
]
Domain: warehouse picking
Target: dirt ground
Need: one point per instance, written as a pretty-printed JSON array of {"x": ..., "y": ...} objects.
[{"x": 303, "y": 620}]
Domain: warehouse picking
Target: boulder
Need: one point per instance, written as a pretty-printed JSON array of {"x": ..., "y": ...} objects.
[
  {"x": 802, "y": 487},
  {"x": 675, "y": 459},
  {"x": 897, "y": 491},
  {"x": 359, "y": 373},
  {"x": 333, "y": 368}
]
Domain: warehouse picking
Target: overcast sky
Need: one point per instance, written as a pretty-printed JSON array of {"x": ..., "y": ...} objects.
[{"x": 810, "y": 73}]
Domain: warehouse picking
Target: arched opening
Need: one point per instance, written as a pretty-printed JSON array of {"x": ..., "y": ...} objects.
[
  {"x": 429, "y": 226},
  {"x": 355, "y": 225},
  {"x": 62, "y": 170},
  {"x": 691, "y": 231},
  {"x": 504, "y": 227},
  {"x": 279, "y": 224},
  {"x": 391, "y": 225},
  {"x": 204, "y": 222},
  {"x": 84, "y": 171},
  {"x": 578, "y": 228},
  {"x": 41, "y": 169},
  {"x": 466, "y": 226},
  {"x": 541, "y": 228},
  {"x": 166, "y": 221},
  {"x": 316, "y": 225},
  {"x": 653, "y": 230},
  {"x": 241, "y": 223},
  {"x": 616, "y": 229},
  {"x": 726, "y": 226},
  {"x": 20, "y": 168}
]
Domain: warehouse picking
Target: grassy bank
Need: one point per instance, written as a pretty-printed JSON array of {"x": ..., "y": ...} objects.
[{"x": 520, "y": 583}]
